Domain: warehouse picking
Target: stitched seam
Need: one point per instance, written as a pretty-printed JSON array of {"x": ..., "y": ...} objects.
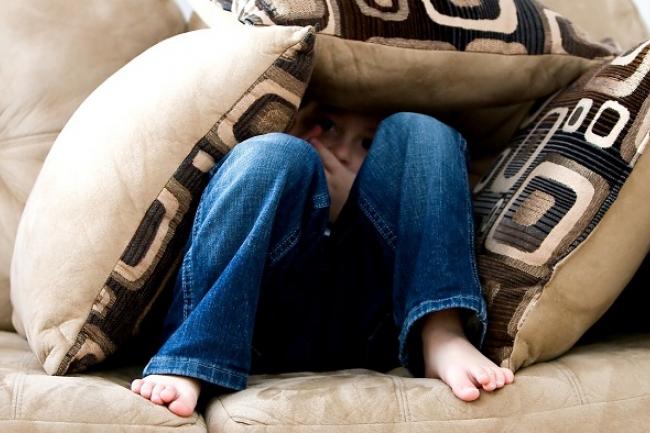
[
  {"x": 321, "y": 200},
  {"x": 375, "y": 218},
  {"x": 283, "y": 246},
  {"x": 186, "y": 283},
  {"x": 572, "y": 379},
  {"x": 192, "y": 361},
  {"x": 16, "y": 395},
  {"x": 399, "y": 394}
]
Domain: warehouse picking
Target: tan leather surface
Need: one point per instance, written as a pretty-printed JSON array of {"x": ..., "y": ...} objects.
[
  {"x": 601, "y": 387},
  {"x": 111, "y": 161},
  {"x": 100, "y": 402},
  {"x": 54, "y": 53},
  {"x": 616, "y": 19}
]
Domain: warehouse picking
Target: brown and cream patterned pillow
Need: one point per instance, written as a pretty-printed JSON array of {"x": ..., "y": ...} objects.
[
  {"x": 431, "y": 55},
  {"x": 564, "y": 215},
  {"x": 104, "y": 226}
]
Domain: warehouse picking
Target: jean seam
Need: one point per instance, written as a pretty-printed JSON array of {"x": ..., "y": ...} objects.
[
  {"x": 283, "y": 246},
  {"x": 182, "y": 365},
  {"x": 321, "y": 200},
  {"x": 471, "y": 234},
  {"x": 375, "y": 218}
]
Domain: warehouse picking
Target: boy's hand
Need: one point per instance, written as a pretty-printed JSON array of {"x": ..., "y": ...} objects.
[{"x": 339, "y": 178}]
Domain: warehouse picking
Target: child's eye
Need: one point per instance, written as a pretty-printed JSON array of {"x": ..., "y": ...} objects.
[
  {"x": 366, "y": 142},
  {"x": 325, "y": 123}
]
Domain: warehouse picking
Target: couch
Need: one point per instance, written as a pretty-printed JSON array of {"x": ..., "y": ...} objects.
[{"x": 601, "y": 385}]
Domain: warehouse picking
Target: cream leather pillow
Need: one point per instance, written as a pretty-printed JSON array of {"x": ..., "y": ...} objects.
[
  {"x": 54, "y": 53},
  {"x": 430, "y": 55},
  {"x": 111, "y": 209},
  {"x": 564, "y": 214}
]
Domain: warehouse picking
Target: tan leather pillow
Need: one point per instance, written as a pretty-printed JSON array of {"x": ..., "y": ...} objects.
[
  {"x": 110, "y": 211},
  {"x": 564, "y": 214},
  {"x": 54, "y": 53}
]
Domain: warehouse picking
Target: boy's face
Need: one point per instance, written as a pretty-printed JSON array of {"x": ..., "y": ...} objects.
[{"x": 346, "y": 134}]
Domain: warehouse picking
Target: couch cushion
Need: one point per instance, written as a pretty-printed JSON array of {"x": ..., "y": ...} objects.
[
  {"x": 60, "y": 51},
  {"x": 616, "y": 19},
  {"x": 563, "y": 214},
  {"x": 600, "y": 387},
  {"x": 33, "y": 402},
  {"x": 110, "y": 212}
]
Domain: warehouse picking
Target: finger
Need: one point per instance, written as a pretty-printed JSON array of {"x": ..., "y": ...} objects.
[
  {"x": 329, "y": 160},
  {"x": 314, "y": 132}
]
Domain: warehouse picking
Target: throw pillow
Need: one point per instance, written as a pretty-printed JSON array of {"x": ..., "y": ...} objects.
[
  {"x": 104, "y": 226},
  {"x": 563, "y": 216},
  {"x": 45, "y": 78},
  {"x": 430, "y": 55}
]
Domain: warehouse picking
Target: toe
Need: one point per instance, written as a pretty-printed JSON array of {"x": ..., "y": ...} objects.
[
  {"x": 182, "y": 406},
  {"x": 509, "y": 375},
  {"x": 146, "y": 389},
  {"x": 480, "y": 375},
  {"x": 462, "y": 386},
  {"x": 492, "y": 384},
  {"x": 168, "y": 394},
  {"x": 500, "y": 377},
  {"x": 155, "y": 393},
  {"x": 136, "y": 385}
]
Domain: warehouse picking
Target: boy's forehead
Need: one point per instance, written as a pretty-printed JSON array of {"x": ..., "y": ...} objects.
[{"x": 365, "y": 119}]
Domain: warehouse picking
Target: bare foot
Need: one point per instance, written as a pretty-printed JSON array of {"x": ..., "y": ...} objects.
[
  {"x": 178, "y": 393},
  {"x": 449, "y": 356}
]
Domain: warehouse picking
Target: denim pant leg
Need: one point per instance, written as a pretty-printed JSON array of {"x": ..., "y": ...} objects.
[
  {"x": 236, "y": 231},
  {"x": 413, "y": 188}
]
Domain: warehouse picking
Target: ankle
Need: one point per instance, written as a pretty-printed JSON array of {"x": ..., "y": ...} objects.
[{"x": 443, "y": 322}]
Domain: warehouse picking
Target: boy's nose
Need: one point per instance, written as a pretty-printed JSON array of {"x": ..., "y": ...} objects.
[{"x": 342, "y": 151}]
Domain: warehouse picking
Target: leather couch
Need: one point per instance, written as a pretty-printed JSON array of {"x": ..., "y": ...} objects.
[{"x": 601, "y": 385}]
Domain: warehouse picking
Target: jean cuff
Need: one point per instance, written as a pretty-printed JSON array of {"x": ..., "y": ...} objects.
[
  {"x": 473, "y": 316},
  {"x": 189, "y": 367}
]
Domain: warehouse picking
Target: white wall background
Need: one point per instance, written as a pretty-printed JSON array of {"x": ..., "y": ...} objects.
[
  {"x": 185, "y": 7},
  {"x": 644, "y": 8}
]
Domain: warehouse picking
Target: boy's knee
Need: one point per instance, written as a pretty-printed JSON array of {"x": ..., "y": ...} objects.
[
  {"x": 419, "y": 125},
  {"x": 274, "y": 153}
]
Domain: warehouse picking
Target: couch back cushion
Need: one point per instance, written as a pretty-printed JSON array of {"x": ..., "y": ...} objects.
[
  {"x": 105, "y": 224},
  {"x": 616, "y": 19},
  {"x": 59, "y": 52},
  {"x": 563, "y": 216}
]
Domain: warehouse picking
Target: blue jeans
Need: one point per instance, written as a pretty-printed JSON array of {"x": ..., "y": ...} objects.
[{"x": 268, "y": 285}]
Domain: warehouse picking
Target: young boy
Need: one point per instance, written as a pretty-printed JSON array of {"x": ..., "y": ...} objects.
[{"x": 423, "y": 240}]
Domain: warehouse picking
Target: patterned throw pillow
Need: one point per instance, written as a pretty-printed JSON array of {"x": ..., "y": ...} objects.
[
  {"x": 431, "y": 55},
  {"x": 104, "y": 226},
  {"x": 564, "y": 215}
]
